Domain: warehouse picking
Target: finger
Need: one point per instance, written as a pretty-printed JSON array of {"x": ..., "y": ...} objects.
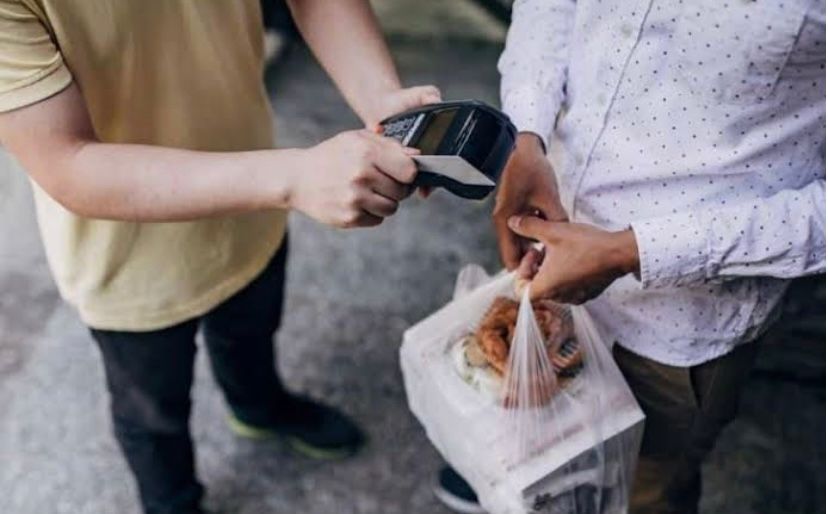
[
  {"x": 391, "y": 159},
  {"x": 563, "y": 295},
  {"x": 582, "y": 295},
  {"x": 508, "y": 243},
  {"x": 387, "y": 142},
  {"x": 552, "y": 211},
  {"x": 546, "y": 283},
  {"x": 366, "y": 219},
  {"x": 382, "y": 184},
  {"x": 420, "y": 95},
  {"x": 577, "y": 298},
  {"x": 379, "y": 205},
  {"x": 532, "y": 227},
  {"x": 425, "y": 191},
  {"x": 548, "y": 207},
  {"x": 529, "y": 264}
]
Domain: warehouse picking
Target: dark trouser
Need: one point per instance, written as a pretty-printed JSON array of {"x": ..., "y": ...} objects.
[
  {"x": 276, "y": 16},
  {"x": 686, "y": 410},
  {"x": 149, "y": 375}
]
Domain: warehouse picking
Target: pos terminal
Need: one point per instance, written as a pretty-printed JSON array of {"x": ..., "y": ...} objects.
[{"x": 464, "y": 145}]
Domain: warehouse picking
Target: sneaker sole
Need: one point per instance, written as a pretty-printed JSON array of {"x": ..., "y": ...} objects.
[
  {"x": 246, "y": 431},
  {"x": 457, "y": 504},
  {"x": 317, "y": 453}
]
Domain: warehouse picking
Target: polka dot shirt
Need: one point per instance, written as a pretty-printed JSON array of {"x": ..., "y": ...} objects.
[{"x": 701, "y": 125}]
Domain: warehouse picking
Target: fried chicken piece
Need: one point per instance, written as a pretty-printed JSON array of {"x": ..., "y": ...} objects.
[
  {"x": 498, "y": 327},
  {"x": 496, "y": 331}
]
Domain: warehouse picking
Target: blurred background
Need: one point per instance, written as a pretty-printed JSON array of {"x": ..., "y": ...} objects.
[{"x": 350, "y": 297}]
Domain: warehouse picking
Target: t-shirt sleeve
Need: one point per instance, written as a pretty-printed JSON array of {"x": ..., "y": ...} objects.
[{"x": 31, "y": 65}]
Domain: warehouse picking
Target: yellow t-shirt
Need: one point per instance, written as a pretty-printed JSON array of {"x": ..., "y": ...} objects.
[{"x": 177, "y": 73}]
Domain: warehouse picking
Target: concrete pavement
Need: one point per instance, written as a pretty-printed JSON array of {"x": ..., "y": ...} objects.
[{"x": 350, "y": 296}]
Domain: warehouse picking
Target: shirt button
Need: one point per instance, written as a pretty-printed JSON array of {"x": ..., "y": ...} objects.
[
  {"x": 627, "y": 30},
  {"x": 579, "y": 159},
  {"x": 602, "y": 99}
]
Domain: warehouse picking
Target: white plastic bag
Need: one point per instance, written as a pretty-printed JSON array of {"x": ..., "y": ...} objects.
[{"x": 570, "y": 452}]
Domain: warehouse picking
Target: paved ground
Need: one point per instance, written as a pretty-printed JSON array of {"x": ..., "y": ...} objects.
[{"x": 350, "y": 296}]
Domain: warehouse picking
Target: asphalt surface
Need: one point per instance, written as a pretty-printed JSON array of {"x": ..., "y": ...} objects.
[{"x": 350, "y": 296}]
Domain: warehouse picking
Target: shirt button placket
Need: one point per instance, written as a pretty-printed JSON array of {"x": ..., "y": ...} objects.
[{"x": 613, "y": 70}]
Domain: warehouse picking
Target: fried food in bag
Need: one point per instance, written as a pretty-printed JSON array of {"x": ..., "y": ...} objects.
[
  {"x": 524, "y": 400},
  {"x": 497, "y": 330},
  {"x": 486, "y": 353}
]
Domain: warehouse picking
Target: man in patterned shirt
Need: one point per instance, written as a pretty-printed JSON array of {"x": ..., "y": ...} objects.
[{"x": 684, "y": 186}]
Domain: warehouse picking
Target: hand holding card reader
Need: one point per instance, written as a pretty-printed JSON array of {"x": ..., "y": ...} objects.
[{"x": 464, "y": 145}]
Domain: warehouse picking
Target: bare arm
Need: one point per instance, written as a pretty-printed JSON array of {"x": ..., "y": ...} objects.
[
  {"x": 55, "y": 143},
  {"x": 352, "y": 179},
  {"x": 346, "y": 39}
]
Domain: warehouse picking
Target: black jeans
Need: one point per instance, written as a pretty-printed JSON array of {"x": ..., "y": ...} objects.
[{"x": 149, "y": 375}]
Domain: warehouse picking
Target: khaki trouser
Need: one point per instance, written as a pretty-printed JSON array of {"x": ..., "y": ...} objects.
[{"x": 686, "y": 409}]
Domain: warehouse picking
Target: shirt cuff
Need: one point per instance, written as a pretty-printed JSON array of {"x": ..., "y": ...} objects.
[
  {"x": 532, "y": 109},
  {"x": 673, "y": 251}
]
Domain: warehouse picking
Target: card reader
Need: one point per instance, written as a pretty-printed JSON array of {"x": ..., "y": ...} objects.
[{"x": 464, "y": 145}]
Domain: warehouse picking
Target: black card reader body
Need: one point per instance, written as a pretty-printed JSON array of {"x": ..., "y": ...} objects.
[{"x": 464, "y": 145}]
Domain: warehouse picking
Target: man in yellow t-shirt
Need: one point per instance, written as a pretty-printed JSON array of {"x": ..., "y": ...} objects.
[{"x": 146, "y": 130}]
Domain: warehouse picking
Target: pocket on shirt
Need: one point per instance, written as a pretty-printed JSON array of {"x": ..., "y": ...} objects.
[{"x": 733, "y": 51}]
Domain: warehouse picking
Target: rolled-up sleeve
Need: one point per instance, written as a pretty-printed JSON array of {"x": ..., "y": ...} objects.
[
  {"x": 534, "y": 63},
  {"x": 31, "y": 65},
  {"x": 781, "y": 236}
]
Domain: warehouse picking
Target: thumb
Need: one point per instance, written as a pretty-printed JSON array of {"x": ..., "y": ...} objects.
[
  {"x": 420, "y": 95},
  {"x": 530, "y": 227}
]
